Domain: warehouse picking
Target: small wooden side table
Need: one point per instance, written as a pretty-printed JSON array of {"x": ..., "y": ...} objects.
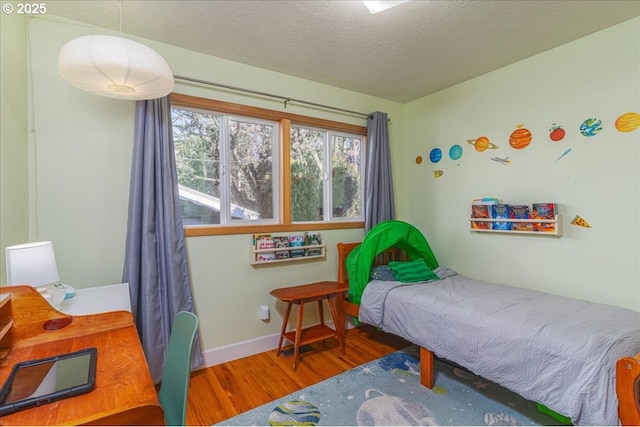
[{"x": 311, "y": 292}]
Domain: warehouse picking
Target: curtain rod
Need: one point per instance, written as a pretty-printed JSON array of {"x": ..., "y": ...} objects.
[{"x": 286, "y": 99}]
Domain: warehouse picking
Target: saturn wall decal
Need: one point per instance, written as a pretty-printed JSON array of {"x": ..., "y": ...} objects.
[{"x": 482, "y": 143}]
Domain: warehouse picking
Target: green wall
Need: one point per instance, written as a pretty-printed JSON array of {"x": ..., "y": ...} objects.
[
  {"x": 71, "y": 183},
  {"x": 81, "y": 183},
  {"x": 14, "y": 164},
  {"x": 594, "y": 77}
]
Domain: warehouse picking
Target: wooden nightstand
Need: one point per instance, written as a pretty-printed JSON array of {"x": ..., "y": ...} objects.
[{"x": 302, "y": 294}]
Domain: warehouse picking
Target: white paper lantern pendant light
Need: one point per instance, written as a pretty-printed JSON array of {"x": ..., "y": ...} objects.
[{"x": 115, "y": 67}]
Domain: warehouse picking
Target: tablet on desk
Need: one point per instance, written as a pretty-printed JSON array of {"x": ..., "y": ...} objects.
[{"x": 36, "y": 382}]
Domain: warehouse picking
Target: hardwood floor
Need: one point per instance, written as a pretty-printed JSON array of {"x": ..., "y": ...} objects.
[{"x": 228, "y": 389}]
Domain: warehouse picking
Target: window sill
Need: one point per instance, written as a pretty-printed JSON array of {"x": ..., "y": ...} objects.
[{"x": 206, "y": 230}]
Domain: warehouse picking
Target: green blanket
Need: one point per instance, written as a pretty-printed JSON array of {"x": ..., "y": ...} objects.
[{"x": 383, "y": 236}]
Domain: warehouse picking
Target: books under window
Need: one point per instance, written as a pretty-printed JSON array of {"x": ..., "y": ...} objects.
[
  {"x": 544, "y": 211},
  {"x": 265, "y": 242},
  {"x": 312, "y": 238},
  {"x": 520, "y": 212},
  {"x": 281, "y": 242},
  {"x": 295, "y": 241},
  {"x": 500, "y": 210},
  {"x": 480, "y": 211},
  {"x": 259, "y": 236}
]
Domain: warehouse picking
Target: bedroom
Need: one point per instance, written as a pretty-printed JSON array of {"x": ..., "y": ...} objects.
[{"x": 595, "y": 76}]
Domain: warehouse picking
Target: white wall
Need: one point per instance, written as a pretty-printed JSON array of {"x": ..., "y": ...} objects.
[
  {"x": 594, "y": 77},
  {"x": 80, "y": 187}
]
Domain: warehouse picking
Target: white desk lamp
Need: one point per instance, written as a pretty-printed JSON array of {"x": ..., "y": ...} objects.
[{"x": 34, "y": 264}]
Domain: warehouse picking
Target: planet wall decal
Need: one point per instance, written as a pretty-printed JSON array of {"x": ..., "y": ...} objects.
[
  {"x": 591, "y": 127},
  {"x": 520, "y": 138},
  {"x": 628, "y": 122},
  {"x": 455, "y": 152},
  {"x": 556, "y": 133},
  {"x": 435, "y": 155},
  {"x": 418, "y": 160},
  {"x": 482, "y": 143}
]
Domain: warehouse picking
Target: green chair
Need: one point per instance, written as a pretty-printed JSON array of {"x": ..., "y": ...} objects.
[{"x": 175, "y": 378}]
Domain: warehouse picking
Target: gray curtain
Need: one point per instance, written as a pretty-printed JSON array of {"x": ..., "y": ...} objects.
[
  {"x": 379, "y": 202},
  {"x": 155, "y": 259}
]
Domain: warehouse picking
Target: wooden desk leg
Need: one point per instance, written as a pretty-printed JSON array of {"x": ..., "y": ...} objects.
[
  {"x": 296, "y": 346},
  {"x": 321, "y": 311},
  {"x": 284, "y": 327},
  {"x": 336, "y": 322}
]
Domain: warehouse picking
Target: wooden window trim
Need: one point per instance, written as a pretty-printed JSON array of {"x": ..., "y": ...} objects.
[
  {"x": 204, "y": 230},
  {"x": 286, "y": 120},
  {"x": 189, "y": 101}
]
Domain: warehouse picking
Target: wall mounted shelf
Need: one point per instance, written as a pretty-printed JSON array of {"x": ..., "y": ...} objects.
[
  {"x": 557, "y": 232},
  {"x": 256, "y": 252}
]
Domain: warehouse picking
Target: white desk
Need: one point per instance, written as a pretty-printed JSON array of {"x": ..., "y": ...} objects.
[{"x": 99, "y": 299}]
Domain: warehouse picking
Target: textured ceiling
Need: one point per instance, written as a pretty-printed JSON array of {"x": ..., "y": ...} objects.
[{"x": 402, "y": 54}]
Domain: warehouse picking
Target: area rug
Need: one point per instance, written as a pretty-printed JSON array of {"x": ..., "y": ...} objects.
[{"x": 388, "y": 392}]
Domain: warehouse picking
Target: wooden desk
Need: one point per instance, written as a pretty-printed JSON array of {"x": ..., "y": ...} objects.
[
  {"x": 302, "y": 294},
  {"x": 124, "y": 392}
]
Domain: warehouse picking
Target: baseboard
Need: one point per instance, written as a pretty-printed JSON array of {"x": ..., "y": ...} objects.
[{"x": 227, "y": 353}]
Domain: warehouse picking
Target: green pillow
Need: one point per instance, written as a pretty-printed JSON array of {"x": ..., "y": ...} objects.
[{"x": 412, "y": 271}]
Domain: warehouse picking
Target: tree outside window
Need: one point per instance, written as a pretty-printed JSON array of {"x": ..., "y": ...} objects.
[
  {"x": 325, "y": 175},
  {"x": 232, "y": 178},
  {"x": 225, "y": 167}
]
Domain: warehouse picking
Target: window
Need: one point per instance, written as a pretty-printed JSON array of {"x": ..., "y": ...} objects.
[
  {"x": 325, "y": 175},
  {"x": 225, "y": 167},
  {"x": 241, "y": 167}
]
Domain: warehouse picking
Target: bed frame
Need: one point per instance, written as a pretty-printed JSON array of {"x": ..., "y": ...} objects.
[{"x": 627, "y": 368}]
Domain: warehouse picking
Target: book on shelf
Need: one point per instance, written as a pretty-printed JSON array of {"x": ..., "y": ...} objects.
[
  {"x": 480, "y": 211},
  {"x": 281, "y": 242},
  {"x": 485, "y": 201},
  {"x": 544, "y": 211},
  {"x": 312, "y": 238},
  {"x": 265, "y": 242},
  {"x": 266, "y": 256},
  {"x": 520, "y": 212},
  {"x": 259, "y": 236},
  {"x": 295, "y": 241},
  {"x": 501, "y": 210}
]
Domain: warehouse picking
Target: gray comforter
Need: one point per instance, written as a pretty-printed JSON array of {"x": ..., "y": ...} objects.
[{"x": 557, "y": 351}]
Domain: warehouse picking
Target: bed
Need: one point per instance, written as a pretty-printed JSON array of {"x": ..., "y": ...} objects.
[{"x": 549, "y": 349}]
